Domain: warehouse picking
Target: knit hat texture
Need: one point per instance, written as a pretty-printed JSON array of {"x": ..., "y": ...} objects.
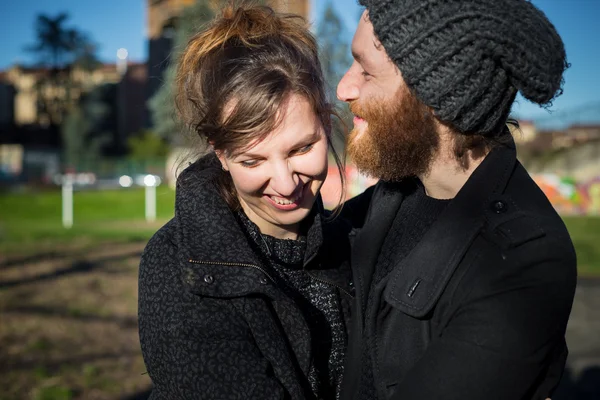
[{"x": 466, "y": 59}]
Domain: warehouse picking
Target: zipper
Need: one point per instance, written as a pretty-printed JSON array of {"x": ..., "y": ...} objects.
[
  {"x": 324, "y": 281},
  {"x": 228, "y": 264},
  {"x": 329, "y": 283}
]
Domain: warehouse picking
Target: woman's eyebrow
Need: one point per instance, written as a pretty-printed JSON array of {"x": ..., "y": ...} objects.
[
  {"x": 249, "y": 154},
  {"x": 309, "y": 139}
]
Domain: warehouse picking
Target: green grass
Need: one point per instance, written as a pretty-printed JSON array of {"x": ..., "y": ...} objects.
[
  {"x": 29, "y": 219},
  {"x": 585, "y": 233},
  {"x": 54, "y": 393}
]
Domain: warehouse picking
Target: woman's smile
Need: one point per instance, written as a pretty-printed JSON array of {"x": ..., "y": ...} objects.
[{"x": 288, "y": 203}]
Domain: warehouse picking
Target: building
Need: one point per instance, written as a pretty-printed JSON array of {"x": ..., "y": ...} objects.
[
  {"x": 7, "y": 102},
  {"x": 163, "y": 14},
  {"x": 578, "y": 134},
  {"x": 41, "y": 100},
  {"x": 572, "y": 136},
  {"x": 33, "y": 106},
  {"x": 525, "y": 133},
  {"x": 300, "y": 7},
  {"x": 132, "y": 112}
]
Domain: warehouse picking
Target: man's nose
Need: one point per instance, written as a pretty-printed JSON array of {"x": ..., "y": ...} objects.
[
  {"x": 347, "y": 89},
  {"x": 284, "y": 179}
]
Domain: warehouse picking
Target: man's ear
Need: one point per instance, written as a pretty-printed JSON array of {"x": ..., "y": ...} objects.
[{"x": 221, "y": 156}]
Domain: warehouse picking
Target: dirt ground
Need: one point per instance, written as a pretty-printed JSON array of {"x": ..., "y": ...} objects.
[
  {"x": 581, "y": 380},
  {"x": 69, "y": 325}
]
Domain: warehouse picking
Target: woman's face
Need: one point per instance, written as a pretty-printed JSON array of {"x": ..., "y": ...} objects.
[{"x": 278, "y": 179}]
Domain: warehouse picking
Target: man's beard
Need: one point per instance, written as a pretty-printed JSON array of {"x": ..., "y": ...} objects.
[{"x": 399, "y": 141}]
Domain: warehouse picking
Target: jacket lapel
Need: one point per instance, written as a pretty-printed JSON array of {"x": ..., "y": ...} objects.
[
  {"x": 367, "y": 244},
  {"x": 418, "y": 280},
  {"x": 383, "y": 206}
]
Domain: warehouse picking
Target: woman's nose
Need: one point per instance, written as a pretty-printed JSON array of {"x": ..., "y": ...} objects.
[{"x": 284, "y": 180}]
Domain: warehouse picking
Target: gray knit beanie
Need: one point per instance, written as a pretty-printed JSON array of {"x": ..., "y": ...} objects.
[{"x": 466, "y": 59}]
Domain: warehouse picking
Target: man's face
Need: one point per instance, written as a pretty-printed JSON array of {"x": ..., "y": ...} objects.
[{"x": 394, "y": 134}]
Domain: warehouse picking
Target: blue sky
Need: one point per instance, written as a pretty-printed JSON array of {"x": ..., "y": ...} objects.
[
  {"x": 122, "y": 23},
  {"x": 111, "y": 23}
]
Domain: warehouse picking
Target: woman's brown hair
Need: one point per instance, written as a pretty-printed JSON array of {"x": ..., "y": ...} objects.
[{"x": 235, "y": 76}]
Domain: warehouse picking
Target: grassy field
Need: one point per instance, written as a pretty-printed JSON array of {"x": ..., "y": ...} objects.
[
  {"x": 68, "y": 297},
  {"x": 585, "y": 233},
  {"x": 69, "y": 325},
  {"x": 30, "y": 222}
]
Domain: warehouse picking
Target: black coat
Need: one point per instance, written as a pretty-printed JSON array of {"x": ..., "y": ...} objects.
[
  {"x": 478, "y": 309},
  {"x": 213, "y": 324}
]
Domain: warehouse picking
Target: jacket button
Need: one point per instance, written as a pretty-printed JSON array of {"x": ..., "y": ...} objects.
[
  {"x": 263, "y": 280},
  {"x": 208, "y": 279},
  {"x": 499, "y": 207}
]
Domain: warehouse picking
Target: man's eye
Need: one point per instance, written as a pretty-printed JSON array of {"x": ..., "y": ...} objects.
[{"x": 365, "y": 74}]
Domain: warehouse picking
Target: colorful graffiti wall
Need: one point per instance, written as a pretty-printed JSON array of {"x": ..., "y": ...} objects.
[{"x": 568, "y": 196}]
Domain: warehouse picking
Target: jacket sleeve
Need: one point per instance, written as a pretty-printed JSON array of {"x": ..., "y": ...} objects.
[
  {"x": 506, "y": 338},
  {"x": 193, "y": 347}
]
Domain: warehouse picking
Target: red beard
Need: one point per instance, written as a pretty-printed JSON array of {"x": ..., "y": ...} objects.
[{"x": 399, "y": 141}]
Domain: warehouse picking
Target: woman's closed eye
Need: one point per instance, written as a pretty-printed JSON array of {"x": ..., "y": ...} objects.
[
  {"x": 303, "y": 150},
  {"x": 249, "y": 163}
]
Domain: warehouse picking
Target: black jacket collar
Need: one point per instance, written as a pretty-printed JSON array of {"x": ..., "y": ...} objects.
[
  {"x": 212, "y": 246},
  {"x": 418, "y": 280}
]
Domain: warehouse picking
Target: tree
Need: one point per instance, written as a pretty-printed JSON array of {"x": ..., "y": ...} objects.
[
  {"x": 85, "y": 53},
  {"x": 147, "y": 146},
  {"x": 54, "y": 42},
  {"x": 84, "y": 131},
  {"x": 335, "y": 59},
  {"x": 162, "y": 104},
  {"x": 59, "y": 48},
  {"x": 334, "y": 47}
]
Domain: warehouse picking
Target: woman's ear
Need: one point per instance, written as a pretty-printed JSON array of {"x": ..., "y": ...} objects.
[{"x": 221, "y": 156}]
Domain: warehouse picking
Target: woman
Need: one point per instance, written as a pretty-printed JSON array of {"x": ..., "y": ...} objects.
[{"x": 244, "y": 294}]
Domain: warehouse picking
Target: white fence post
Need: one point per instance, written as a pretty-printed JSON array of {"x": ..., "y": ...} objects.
[
  {"x": 67, "y": 201},
  {"x": 151, "y": 203},
  {"x": 151, "y": 182}
]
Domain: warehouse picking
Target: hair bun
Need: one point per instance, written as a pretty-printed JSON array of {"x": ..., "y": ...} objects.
[{"x": 248, "y": 24}]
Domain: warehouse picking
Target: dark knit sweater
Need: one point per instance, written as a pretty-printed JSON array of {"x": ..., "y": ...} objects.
[
  {"x": 416, "y": 214},
  {"x": 318, "y": 302}
]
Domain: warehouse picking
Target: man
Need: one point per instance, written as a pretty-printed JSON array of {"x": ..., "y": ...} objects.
[{"x": 464, "y": 273}]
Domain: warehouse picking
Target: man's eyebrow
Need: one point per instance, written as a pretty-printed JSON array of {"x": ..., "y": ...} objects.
[{"x": 356, "y": 56}]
